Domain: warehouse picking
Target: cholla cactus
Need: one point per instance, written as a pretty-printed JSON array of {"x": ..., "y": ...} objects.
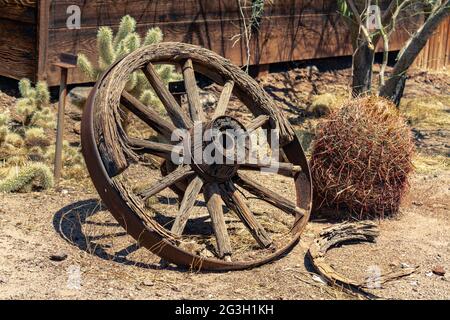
[
  {"x": 110, "y": 48},
  {"x": 73, "y": 162},
  {"x": 34, "y": 105},
  {"x": 26, "y": 148},
  {"x": 27, "y": 178}
]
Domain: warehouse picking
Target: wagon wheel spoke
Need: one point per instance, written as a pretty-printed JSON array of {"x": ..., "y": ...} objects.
[
  {"x": 258, "y": 122},
  {"x": 284, "y": 168},
  {"x": 147, "y": 114},
  {"x": 187, "y": 204},
  {"x": 268, "y": 195},
  {"x": 180, "y": 173},
  {"x": 224, "y": 99},
  {"x": 176, "y": 113},
  {"x": 195, "y": 107},
  {"x": 214, "y": 204},
  {"x": 235, "y": 201},
  {"x": 162, "y": 150}
]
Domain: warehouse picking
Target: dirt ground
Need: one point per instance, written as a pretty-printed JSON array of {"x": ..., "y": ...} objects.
[{"x": 100, "y": 261}]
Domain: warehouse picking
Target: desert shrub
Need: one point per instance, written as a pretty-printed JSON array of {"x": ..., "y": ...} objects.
[
  {"x": 361, "y": 158},
  {"x": 322, "y": 104},
  {"x": 112, "y": 47}
]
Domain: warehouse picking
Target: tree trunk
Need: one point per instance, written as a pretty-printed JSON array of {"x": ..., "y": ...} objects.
[
  {"x": 362, "y": 64},
  {"x": 393, "y": 89}
]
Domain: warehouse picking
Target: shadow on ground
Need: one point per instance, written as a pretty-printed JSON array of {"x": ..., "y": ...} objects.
[{"x": 70, "y": 221}]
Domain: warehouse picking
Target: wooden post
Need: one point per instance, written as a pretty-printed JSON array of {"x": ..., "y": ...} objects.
[
  {"x": 60, "y": 126},
  {"x": 67, "y": 61}
]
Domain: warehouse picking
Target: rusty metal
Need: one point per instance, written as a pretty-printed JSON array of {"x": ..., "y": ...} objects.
[{"x": 151, "y": 238}]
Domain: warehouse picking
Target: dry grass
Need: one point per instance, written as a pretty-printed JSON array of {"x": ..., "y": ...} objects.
[
  {"x": 429, "y": 112},
  {"x": 427, "y": 164}
]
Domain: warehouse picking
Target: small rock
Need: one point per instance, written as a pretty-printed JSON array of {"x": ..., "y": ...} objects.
[
  {"x": 429, "y": 274},
  {"x": 79, "y": 95},
  {"x": 77, "y": 128},
  {"x": 60, "y": 256},
  {"x": 319, "y": 279},
  {"x": 417, "y": 203},
  {"x": 404, "y": 265},
  {"x": 64, "y": 192},
  {"x": 439, "y": 270},
  {"x": 148, "y": 283}
]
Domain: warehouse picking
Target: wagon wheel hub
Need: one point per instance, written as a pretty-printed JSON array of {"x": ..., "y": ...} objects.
[{"x": 217, "y": 147}]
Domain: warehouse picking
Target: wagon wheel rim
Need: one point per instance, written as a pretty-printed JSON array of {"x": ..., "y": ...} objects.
[{"x": 129, "y": 216}]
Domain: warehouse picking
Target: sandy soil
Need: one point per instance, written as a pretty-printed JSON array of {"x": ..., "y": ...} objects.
[
  {"x": 36, "y": 226},
  {"x": 100, "y": 261}
]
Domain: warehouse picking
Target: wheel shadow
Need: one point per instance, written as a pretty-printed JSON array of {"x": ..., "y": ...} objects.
[{"x": 70, "y": 221}]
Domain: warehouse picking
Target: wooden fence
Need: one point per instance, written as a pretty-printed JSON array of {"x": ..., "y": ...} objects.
[
  {"x": 33, "y": 33},
  {"x": 436, "y": 54}
]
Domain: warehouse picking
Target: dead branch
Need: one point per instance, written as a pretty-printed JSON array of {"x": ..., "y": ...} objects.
[{"x": 346, "y": 232}]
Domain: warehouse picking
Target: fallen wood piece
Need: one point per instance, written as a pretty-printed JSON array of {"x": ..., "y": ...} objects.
[{"x": 345, "y": 232}]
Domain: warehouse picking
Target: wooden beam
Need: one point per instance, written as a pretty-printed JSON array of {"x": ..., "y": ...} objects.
[
  {"x": 214, "y": 204},
  {"x": 176, "y": 113},
  {"x": 224, "y": 99},
  {"x": 234, "y": 200},
  {"x": 195, "y": 107},
  {"x": 148, "y": 115},
  {"x": 268, "y": 195},
  {"x": 187, "y": 204},
  {"x": 180, "y": 173},
  {"x": 42, "y": 39}
]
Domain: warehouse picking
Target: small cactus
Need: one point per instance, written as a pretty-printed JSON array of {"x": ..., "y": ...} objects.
[
  {"x": 36, "y": 137},
  {"x": 110, "y": 48},
  {"x": 26, "y": 145},
  {"x": 28, "y": 177}
]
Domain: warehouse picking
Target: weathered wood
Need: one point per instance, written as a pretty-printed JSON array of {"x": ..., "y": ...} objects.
[
  {"x": 18, "y": 59},
  {"x": 176, "y": 113},
  {"x": 283, "y": 168},
  {"x": 147, "y": 114},
  {"x": 289, "y": 30},
  {"x": 234, "y": 200},
  {"x": 224, "y": 99},
  {"x": 195, "y": 107},
  {"x": 187, "y": 204},
  {"x": 25, "y": 11},
  {"x": 258, "y": 122},
  {"x": 43, "y": 39},
  {"x": 60, "y": 127},
  {"x": 162, "y": 150},
  {"x": 214, "y": 204},
  {"x": 343, "y": 233},
  {"x": 112, "y": 142},
  {"x": 268, "y": 195},
  {"x": 180, "y": 173}
]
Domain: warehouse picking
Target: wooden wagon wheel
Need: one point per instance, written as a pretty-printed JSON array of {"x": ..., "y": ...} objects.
[{"x": 109, "y": 152}]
